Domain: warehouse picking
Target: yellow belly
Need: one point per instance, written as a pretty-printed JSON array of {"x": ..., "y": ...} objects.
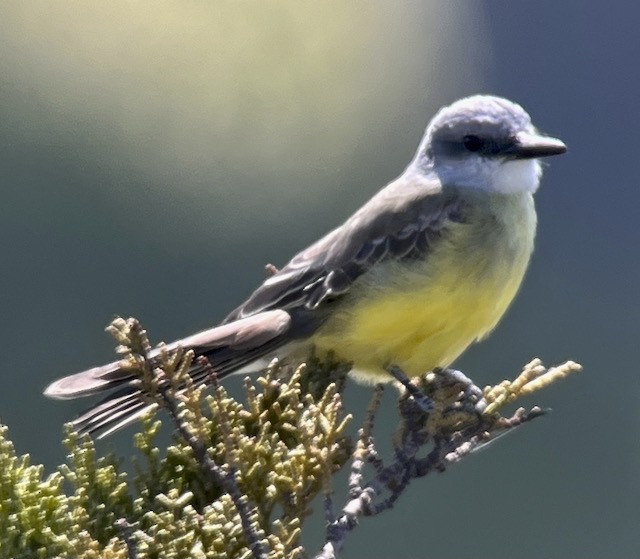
[{"x": 423, "y": 315}]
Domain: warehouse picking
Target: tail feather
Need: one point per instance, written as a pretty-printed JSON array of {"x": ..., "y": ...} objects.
[
  {"x": 89, "y": 382},
  {"x": 109, "y": 409},
  {"x": 229, "y": 348}
]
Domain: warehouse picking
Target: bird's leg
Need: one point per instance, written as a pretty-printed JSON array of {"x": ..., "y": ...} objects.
[{"x": 422, "y": 400}]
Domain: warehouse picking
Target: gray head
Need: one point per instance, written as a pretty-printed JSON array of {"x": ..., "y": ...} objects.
[{"x": 486, "y": 143}]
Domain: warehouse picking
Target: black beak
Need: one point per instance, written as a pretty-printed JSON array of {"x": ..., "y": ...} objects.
[{"x": 527, "y": 145}]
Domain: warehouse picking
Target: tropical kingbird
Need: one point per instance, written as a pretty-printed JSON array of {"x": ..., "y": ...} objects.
[{"x": 421, "y": 271}]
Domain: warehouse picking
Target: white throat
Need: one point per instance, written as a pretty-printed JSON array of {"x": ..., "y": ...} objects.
[
  {"x": 509, "y": 177},
  {"x": 497, "y": 176}
]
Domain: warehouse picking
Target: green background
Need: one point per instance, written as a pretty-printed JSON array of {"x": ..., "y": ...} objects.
[{"x": 155, "y": 155}]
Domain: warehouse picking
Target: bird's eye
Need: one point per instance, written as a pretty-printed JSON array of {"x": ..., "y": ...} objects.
[{"x": 472, "y": 142}]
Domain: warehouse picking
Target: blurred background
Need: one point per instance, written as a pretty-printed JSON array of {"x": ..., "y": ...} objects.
[{"x": 154, "y": 156}]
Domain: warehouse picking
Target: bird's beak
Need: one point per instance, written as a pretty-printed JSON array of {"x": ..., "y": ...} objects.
[{"x": 527, "y": 145}]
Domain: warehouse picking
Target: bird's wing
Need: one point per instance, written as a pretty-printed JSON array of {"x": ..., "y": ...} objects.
[{"x": 403, "y": 221}]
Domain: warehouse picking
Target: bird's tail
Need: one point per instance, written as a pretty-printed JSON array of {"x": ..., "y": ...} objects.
[{"x": 229, "y": 348}]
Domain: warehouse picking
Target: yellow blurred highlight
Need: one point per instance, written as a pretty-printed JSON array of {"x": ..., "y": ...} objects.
[{"x": 225, "y": 100}]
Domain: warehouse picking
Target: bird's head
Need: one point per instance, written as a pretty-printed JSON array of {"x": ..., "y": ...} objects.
[{"x": 486, "y": 143}]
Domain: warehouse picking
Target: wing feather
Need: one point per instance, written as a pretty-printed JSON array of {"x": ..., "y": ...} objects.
[{"x": 403, "y": 221}]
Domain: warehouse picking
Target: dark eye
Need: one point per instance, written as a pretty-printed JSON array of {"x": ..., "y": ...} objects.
[{"x": 472, "y": 143}]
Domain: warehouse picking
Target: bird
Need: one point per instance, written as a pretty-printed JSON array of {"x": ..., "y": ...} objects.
[{"x": 421, "y": 271}]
